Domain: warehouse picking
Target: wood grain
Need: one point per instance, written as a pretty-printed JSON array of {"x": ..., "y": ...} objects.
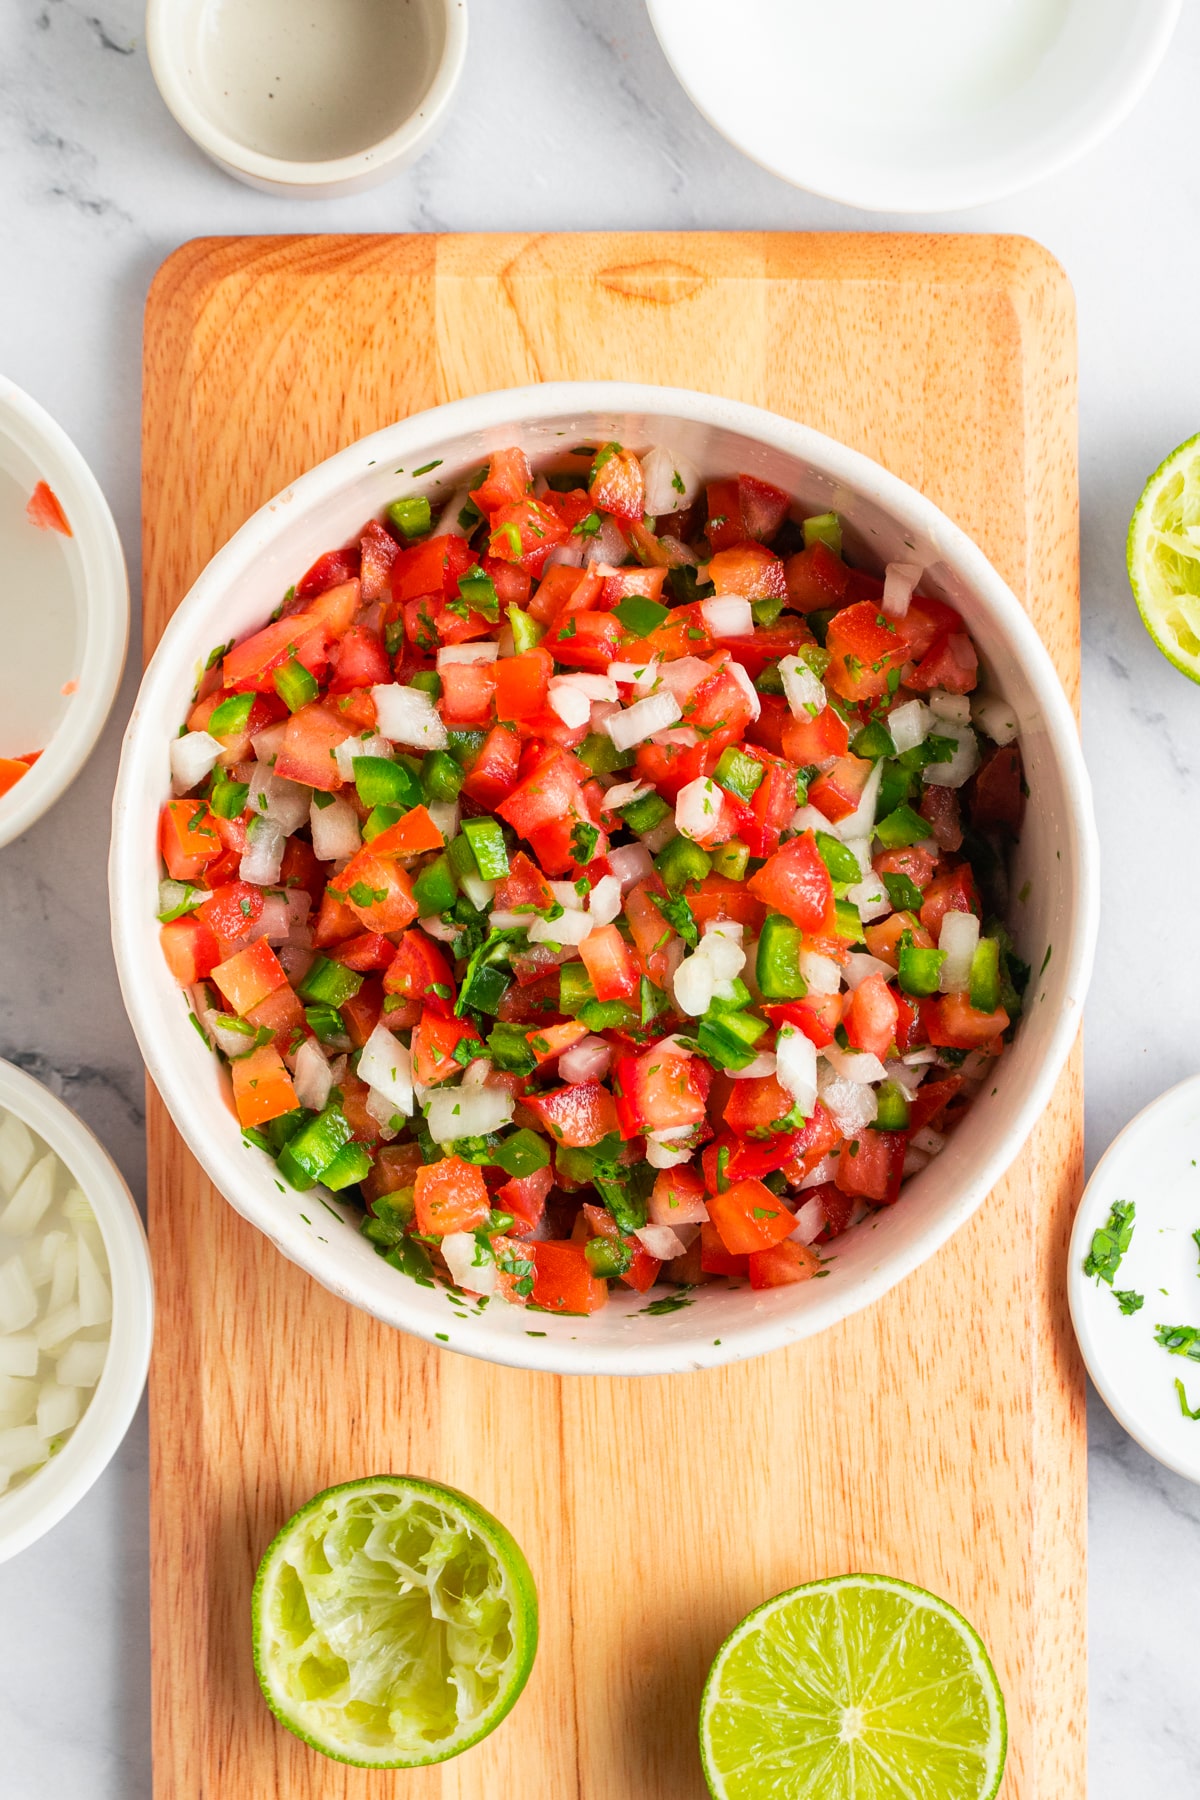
[{"x": 939, "y": 1435}]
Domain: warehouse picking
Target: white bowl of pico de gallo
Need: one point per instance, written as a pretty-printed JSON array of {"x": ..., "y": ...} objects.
[{"x": 626, "y": 854}]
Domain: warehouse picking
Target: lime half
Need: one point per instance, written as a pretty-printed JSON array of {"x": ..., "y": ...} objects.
[
  {"x": 395, "y": 1622},
  {"x": 857, "y": 1688},
  {"x": 1163, "y": 553}
]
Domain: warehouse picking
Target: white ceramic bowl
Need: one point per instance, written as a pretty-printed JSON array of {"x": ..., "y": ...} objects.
[
  {"x": 886, "y": 520},
  {"x": 308, "y": 98},
  {"x": 966, "y": 100},
  {"x": 1152, "y": 1163},
  {"x": 31, "y": 1508},
  {"x": 67, "y": 617}
]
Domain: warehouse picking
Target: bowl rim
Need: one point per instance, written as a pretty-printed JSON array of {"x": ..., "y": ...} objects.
[
  {"x": 492, "y": 412},
  {"x": 162, "y": 22},
  {"x": 105, "y": 635},
  {"x": 952, "y": 187},
  {"x": 27, "y": 1512}
]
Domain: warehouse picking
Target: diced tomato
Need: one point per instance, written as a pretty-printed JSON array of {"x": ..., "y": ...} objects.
[
  {"x": 365, "y": 953},
  {"x": 252, "y": 664},
  {"x": 493, "y": 774},
  {"x": 508, "y": 479},
  {"x": 335, "y": 609},
  {"x": 720, "y": 897},
  {"x": 432, "y": 569},
  {"x": 782, "y": 1265},
  {"x": 950, "y": 664},
  {"x": 249, "y": 976},
  {"x": 233, "y": 910},
  {"x": 669, "y": 767},
  {"x": 12, "y": 770},
  {"x": 838, "y": 791},
  {"x": 281, "y": 1013},
  {"x": 433, "y": 1045},
  {"x": 749, "y": 570},
  {"x": 44, "y": 509},
  {"x": 310, "y": 739},
  {"x": 929, "y": 1100},
  {"x": 764, "y": 507},
  {"x": 998, "y": 792},
  {"x": 759, "y": 1107},
  {"x": 578, "y": 1115},
  {"x": 515, "y": 1268},
  {"x": 910, "y": 1031},
  {"x": 816, "y": 579},
  {"x": 586, "y": 640},
  {"x": 187, "y": 837},
  {"x": 359, "y": 660},
  {"x": 330, "y": 571},
  {"x": 412, "y": 835},
  {"x": 395, "y": 1167},
  {"x": 550, "y": 801},
  {"x": 521, "y": 683},
  {"x": 468, "y": 693},
  {"x": 915, "y": 864},
  {"x": 726, "y": 528},
  {"x": 378, "y": 550},
  {"x": 925, "y": 621},
  {"x": 335, "y": 921},
  {"x": 720, "y": 708},
  {"x": 378, "y": 892},
  {"x": 871, "y": 1016},
  {"x": 771, "y": 807},
  {"x": 419, "y": 970},
  {"x": 952, "y": 1022},
  {"x": 563, "y": 1281},
  {"x": 563, "y": 589},
  {"x": 524, "y": 532},
  {"x": 952, "y": 892},
  {"x": 871, "y": 1166},
  {"x": 715, "y": 1259},
  {"x": 523, "y": 886},
  {"x": 659, "y": 1090},
  {"x": 767, "y": 643},
  {"x": 863, "y": 652},
  {"x": 622, "y": 583},
  {"x": 525, "y": 1198},
  {"x": 451, "y": 1195},
  {"x": 617, "y": 485},
  {"x": 749, "y": 1217},
  {"x": 817, "y": 1016},
  {"x": 940, "y": 806},
  {"x": 642, "y": 1272},
  {"x": 262, "y": 1087},
  {"x": 684, "y": 632},
  {"x": 191, "y": 950},
  {"x": 815, "y": 741},
  {"x": 363, "y": 1011},
  {"x": 607, "y": 960},
  {"x": 572, "y": 507},
  {"x": 838, "y": 1208},
  {"x": 883, "y": 939},
  {"x": 796, "y": 883},
  {"x": 651, "y": 932},
  {"x": 549, "y": 1041}
]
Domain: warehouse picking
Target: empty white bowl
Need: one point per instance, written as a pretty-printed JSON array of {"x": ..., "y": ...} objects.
[
  {"x": 887, "y": 521},
  {"x": 308, "y": 98},
  {"x": 34, "y": 1505},
  {"x": 923, "y": 107},
  {"x": 66, "y": 612}
]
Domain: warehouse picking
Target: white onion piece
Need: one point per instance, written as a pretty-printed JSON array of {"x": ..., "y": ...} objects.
[
  {"x": 665, "y": 1207},
  {"x": 854, "y": 1065},
  {"x": 311, "y": 1076},
  {"x": 407, "y": 715},
  {"x": 383, "y": 1112},
  {"x": 627, "y": 674},
  {"x": 39, "y": 1255},
  {"x": 81, "y": 1363},
  {"x": 959, "y": 938},
  {"x": 445, "y": 815},
  {"x": 336, "y": 833},
  {"x": 803, "y": 688},
  {"x": 925, "y": 1053},
  {"x": 57, "y": 1327},
  {"x": 763, "y": 1064},
  {"x": 728, "y": 615},
  {"x": 630, "y": 863},
  {"x": 274, "y": 923},
  {"x": 721, "y": 943},
  {"x": 861, "y": 822},
  {"x": 642, "y": 719},
  {"x": 21, "y": 1449},
  {"x": 62, "y": 1279},
  {"x": 955, "y": 708},
  {"x": 283, "y": 803},
  {"x": 263, "y": 858},
  {"x": 268, "y": 742},
  {"x": 693, "y": 986},
  {"x": 18, "y": 1302},
  {"x": 193, "y": 756},
  {"x": 437, "y": 928},
  {"x": 682, "y": 736},
  {"x": 467, "y": 1112},
  {"x": 588, "y": 1060},
  {"x": 57, "y": 1409},
  {"x": 24, "y": 1212},
  {"x": 499, "y": 920},
  {"x": 572, "y": 707},
  {"x": 448, "y": 525},
  {"x": 483, "y": 650},
  {"x": 659, "y": 834},
  {"x": 871, "y": 898},
  {"x": 661, "y": 1156},
  {"x": 624, "y": 793},
  {"x": 821, "y": 974},
  {"x": 17, "y": 1151},
  {"x": 604, "y": 903},
  {"x": 478, "y": 891},
  {"x": 909, "y": 725},
  {"x": 683, "y": 676},
  {"x": 95, "y": 1296},
  {"x": 930, "y": 1141},
  {"x": 471, "y": 1266},
  {"x": 747, "y": 686},
  {"x": 571, "y": 929},
  {"x": 596, "y": 687},
  {"x": 809, "y": 818},
  {"x": 996, "y": 718},
  {"x": 698, "y": 808},
  {"x": 570, "y": 554},
  {"x": 19, "y": 1354},
  {"x": 810, "y": 1222},
  {"x": 825, "y": 1171},
  {"x": 796, "y": 1067},
  {"x": 567, "y": 895},
  {"x": 914, "y": 1162},
  {"x": 672, "y": 482},
  {"x": 660, "y": 1241},
  {"x": 386, "y": 1066},
  {"x": 908, "y": 1079},
  {"x": 851, "y": 1104},
  {"x": 899, "y": 580},
  {"x": 609, "y": 545}
]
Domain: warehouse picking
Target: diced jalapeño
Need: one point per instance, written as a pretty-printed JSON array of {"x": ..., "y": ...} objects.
[{"x": 777, "y": 969}]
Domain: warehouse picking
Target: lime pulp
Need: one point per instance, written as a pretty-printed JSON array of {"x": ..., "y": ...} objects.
[{"x": 1163, "y": 555}]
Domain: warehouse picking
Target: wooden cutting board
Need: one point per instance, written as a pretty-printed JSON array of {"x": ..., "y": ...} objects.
[{"x": 938, "y": 1436}]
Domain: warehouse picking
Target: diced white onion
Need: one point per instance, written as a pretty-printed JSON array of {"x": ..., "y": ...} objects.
[
  {"x": 698, "y": 808},
  {"x": 596, "y": 687},
  {"x": 478, "y": 891},
  {"x": 859, "y": 965},
  {"x": 17, "y": 1150},
  {"x": 500, "y": 920},
  {"x": 62, "y": 1279},
  {"x": 763, "y": 1064},
  {"x": 693, "y": 986},
  {"x": 721, "y": 943},
  {"x": 283, "y": 803},
  {"x": 747, "y": 686},
  {"x": 851, "y": 1104},
  {"x": 925, "y": 1053},
  {"x": 263, "y": 858},
  {"x": 683, "y": 676},
  {"x": 853, "y": 1065},
  {"x": 796, "y": 1067},
  {"x": 572, "y": 928},
  {"x": 680, "y": 737},
  {"x": 661, "y": 1156},
  {"x": 914, "y": 1162},
  {"x": 567, "y": 895},
  {"x": 383, "y": 1111},
  {"x": 604, "y": 903},
  {"x": 810, "y": 1222},
  {"x": 483, "y": 650},
  {"x": 467, "y": 1112},
  {"x": 57, "y": 1409},
  {"x": 435, "y": 927},
  {"x": 19, "y": 1354},
  {"x": 871, "y": 898},
  {"x": 930, "y": 1141},
  {"x": 660, "y": 1241},
  {"x": 861, "y": 822},
  {"x": 81, "y": 1363},
  {"x": 955, "y": 708},
  {"x": 909, "y": 725},
  {"x": 572, "y": 707},
  {"x": 820, "y": 973},
  {"x": 386, "y": 1066},
  {"x": 351, "y": 747},
  {"x": 18, "y": 1302},
  {"x": 95, "y": 1296},
  {"x": 899, "y": 580},
  {"x": 959, "y": 938},
  {"x": 904, "y": 1077},
  {"x": 642, "y": 719},
  {"x": 808, "y": 818},
  {"x": 672, "y": 482},
  {"x": 407, "y": 715},
  {"x": 995, "y": 717},
  {"x": 445, "y": 815},
  {"x": 22, "y": 1448},
  {"x": 471, "y": 1266},
  {"x": 311, "y": 1077},
  {"x": 728, "y": 615},
  {"x": 57, "y": 1327},
  {"x": 630, "y": 863},
  {"x": 803, "y": 688},
  {"x": 192, "y": 758},
  {"x": 23, "y": 1214},
  {"x": 588, "y": 1060},
  {"x": 825, "y": 1171},
  {"x": 664, "y": 1208},
  {"x": 659, "y": 834},
  {"x": 609, "y": 545}
]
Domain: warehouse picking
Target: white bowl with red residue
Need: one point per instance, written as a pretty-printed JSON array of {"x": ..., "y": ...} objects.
[{"x": 65, "y": 610}]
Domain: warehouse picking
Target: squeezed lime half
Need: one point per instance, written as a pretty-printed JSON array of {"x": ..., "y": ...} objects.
[
  {"x": 856, "y": 1688},
  {"x": 395, "y": 1622},
  {"x": 1163, "y": 554}
]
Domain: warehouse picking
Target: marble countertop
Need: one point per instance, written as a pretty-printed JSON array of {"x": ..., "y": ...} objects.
[{"x": 96, "y": 186}]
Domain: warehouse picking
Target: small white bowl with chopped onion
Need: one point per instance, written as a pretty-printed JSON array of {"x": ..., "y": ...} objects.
[
  {"x": 887, "y": 523},
  {"x": 76, "y": 1310}
]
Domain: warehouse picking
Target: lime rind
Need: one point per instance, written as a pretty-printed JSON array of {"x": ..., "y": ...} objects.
[
  {"x": 395, "y": 1622},
  {"x": 857, "y": 1685},
  {"x": 1163, "y": 557}
]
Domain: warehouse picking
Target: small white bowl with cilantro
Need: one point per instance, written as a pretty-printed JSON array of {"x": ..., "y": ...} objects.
[{"x": 1134, "y": 1278}]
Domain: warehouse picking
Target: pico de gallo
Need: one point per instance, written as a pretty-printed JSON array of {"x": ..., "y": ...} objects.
[{"x": 600, "y": 881}]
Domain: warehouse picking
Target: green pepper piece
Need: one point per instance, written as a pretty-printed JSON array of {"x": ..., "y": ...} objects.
[
  {"x": 230, "y": 718},
  {"x": 727, "y": 1039},
  {"x": 527, "y": 633},
  {"x": 777, "y": 969},
  {"x": 485, "y": 987},
  {"x": 479, "y": 592},
  {"x": 738, "y": 773},
  {"x": 602, "y": 756},
  {"x": 350, "y": 1166},
  {"x": 874, "y": 741},
  {"x": 522, "y": 1153},
  {"x": 608, "y": 1015},
  {"x": 412, "y": 516},
  {"x": 380, "y": 819},
  {"x": 731, "y": 860},
  {"x": 382, "y": 782},
  {"x": 984, "y": 987},
  {"x": 575, "y": 990},
  {"x": 330, "y": 982},
  {"x": 902, "y": 828},
  {"x": 892, "y": 1107},
  {"x": 768, "y": 609},
  {"x": 427, "y": 681},
  {"x": 823, "y": 528},
  {"x": 608, "y": 1257},
  {"x": 441, "y": 778},
  {"x": 645, "y": 813},
  {"x": 639, "y": 615},
  {"x": 324, "y": 1021},
  {"x": 228, "y": 797},
  {"x": 895, "y": 787},
  {"x": 920, "y": 968},
  {"x": 838, "y": 858},
  {"x": 509, "y": 1048},
  {"x": 295, "y": 685},
  {"x": 315, "y": 1146},
  {"x": 770, "y": 681},
  {"x": 681, "y": 861},
  {"x": 464, "y": 746},
  {"x": 849, "y": 921},
  {"x": 487, "y": 846},
  {"x": 435, "y": 889}
]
